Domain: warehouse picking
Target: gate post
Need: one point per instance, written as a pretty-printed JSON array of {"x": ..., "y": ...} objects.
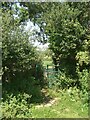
[{"x": 47, "y": 71}]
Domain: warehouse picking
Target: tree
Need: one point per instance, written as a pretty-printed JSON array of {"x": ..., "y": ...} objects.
[
  {"x": 19, "y": 56},
  {"x": 66, "y": 26}
]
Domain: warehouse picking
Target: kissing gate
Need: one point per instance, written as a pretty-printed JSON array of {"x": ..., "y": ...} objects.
[{"x": 50, "y": 73}]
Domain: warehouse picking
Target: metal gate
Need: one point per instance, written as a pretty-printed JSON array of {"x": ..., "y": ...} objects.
[{"x": 51, "y": 74}]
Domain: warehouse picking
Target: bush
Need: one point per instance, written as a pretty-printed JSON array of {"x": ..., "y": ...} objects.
[
  {"x": 22, "y": 79},
  {"x": 19, "y": 56},
  {"x": 20, "y": 86},
  {"x": 16, "y": 106},
  {"x": 84, "y": 84},
  {"x": 84, "y": 78},
  {"x": 18, "y": 97},
  {"x": 61, "y": 81}
]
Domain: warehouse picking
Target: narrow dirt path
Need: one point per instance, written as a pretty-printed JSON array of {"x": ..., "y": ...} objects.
[{"x": 50, "y": 103}]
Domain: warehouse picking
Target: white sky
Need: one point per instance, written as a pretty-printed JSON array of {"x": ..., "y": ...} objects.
[{"x": 30, "y": 28}]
